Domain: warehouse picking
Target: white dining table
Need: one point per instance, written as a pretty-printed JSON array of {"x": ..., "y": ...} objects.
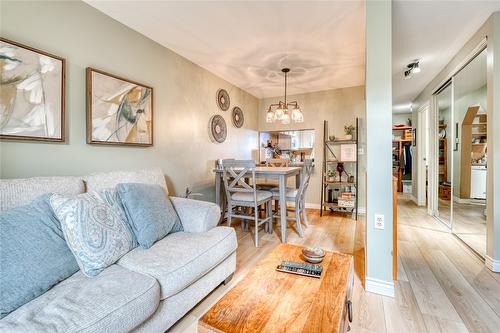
[{"x": 262, "y": 172}]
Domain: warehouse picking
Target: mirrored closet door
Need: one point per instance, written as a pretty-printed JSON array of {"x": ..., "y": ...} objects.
[
  {"x": 470, "y": 154},
  {"x": 443, "y": 154}
]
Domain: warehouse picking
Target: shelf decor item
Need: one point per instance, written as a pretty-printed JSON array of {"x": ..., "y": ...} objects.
[
  {"x": 349, "y": 130},
  {"x": 348, "y": 152},
  {"x": 223, "y": 100},
  {"x": 331, "y": 175},
  {"x": 32, "y": 93},
  {"x": 217, "y": 129},
  {"x": 237, "y": 117},
  {"x": 119, "y": 111},
  {"x": 340, "y": 169}
]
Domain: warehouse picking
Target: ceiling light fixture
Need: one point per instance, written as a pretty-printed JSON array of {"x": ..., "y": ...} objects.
[
  {"x": 279, "y": 112},
  {"x": 412, "y": 68}
]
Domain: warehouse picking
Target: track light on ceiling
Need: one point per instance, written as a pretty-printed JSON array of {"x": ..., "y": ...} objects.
[{"x": 412, "y": 68}]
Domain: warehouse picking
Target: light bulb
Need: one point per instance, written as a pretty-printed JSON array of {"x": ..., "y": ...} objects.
[
  {"x": 270, "y": 117},
  {"x": 279, "y": 113},
  {"x": 295, "y": 113},
  {"x": 299, "y": 117},
  {"x": 286, "y": 118}
]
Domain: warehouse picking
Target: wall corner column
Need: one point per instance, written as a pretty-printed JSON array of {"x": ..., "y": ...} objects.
[
  {"x": 378, "y": 146},
  {"x": 493, "y": 184}
]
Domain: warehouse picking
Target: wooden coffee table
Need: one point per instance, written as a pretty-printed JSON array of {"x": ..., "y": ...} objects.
[{"x": 270, "y": 301}]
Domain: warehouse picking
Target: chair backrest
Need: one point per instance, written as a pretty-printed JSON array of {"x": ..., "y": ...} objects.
[
  {"x": 277, "y": 162},
  {"x": 234, "y": 173},
  {"x": 306, "y": 177}
]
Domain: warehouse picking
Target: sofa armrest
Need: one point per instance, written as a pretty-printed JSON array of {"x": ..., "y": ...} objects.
[{"x": 195, "y": 215}]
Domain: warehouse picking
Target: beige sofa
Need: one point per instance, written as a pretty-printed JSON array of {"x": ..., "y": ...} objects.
[{"x": 147, "y": 290}]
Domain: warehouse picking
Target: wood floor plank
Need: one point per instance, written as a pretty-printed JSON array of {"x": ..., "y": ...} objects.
[
  {"x": 472, "y": 269},
  {"x": 476, "y": 314},
  {"x": 429, "y": 294},
  {"x": 401, "y": 312},
  {"x": 368, "y": 309},
  {"x": 436, "y": 324}
]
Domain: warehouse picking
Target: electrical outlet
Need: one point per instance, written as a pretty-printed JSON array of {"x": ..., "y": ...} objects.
[{"x": 379, "y": 221}]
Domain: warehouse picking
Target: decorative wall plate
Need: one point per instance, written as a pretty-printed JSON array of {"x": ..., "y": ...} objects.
[
  {"x": 217, "y": 128},
  {"x": 237, "y": 117},
  {"x": 223, "y": 100}
]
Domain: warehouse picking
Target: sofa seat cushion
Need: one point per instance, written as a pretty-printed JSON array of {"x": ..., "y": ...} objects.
[
  {"x": 179, "y": 259},
  {"x": 117, "y": 300}
]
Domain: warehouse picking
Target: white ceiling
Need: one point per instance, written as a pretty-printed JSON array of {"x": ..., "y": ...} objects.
[
  {"x": 248, "y": 42},
  {"x": 434, "y": 32}
]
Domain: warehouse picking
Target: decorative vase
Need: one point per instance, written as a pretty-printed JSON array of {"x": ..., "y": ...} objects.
[
  {"x": 340, "y": 170},
  {"x": 348, "y": 137}
]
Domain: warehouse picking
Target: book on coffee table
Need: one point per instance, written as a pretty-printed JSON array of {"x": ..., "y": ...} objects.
[{"x": 300, "y": 268}]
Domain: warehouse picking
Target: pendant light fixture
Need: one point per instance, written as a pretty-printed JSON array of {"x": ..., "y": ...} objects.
[{"x": 285, "y": 111}]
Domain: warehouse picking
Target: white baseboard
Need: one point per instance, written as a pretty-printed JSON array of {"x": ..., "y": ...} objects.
[
  {"x": 313, "y": 205},
  {"x": 480, "y": 202},
  {"x": 376, "y": 286},
  {"x": 492, "y": 264}
]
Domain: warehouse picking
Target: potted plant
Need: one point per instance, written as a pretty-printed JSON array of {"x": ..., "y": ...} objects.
[
  {"x": 330, "y": 175},
  {"x": 349, "y": 131}
]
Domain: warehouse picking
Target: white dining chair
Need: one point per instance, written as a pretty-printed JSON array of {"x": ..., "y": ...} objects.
[{"x": 241, "y": 191}]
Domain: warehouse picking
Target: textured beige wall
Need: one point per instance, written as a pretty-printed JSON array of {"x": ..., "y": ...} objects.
[
  {"x": 339, "y": 107},
  {"x": 184, "y": 99}
]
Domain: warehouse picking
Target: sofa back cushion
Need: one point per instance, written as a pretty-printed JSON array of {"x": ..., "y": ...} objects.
[
  {"x": 17, "y": 192},
  {"x": 149, "y": 212},
  {"x": 33, "y": 254},
  {"x": 95, "y": 227},
  {"x": 109, "y": 180}
]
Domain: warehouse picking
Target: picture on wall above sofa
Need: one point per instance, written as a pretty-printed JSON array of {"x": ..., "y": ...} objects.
[
  {"x": 119, "y": 111},
  {"x": 32, "y": 93}
]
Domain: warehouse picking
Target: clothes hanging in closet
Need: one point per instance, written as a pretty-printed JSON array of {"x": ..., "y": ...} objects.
[{"x": 406, "y": 159}]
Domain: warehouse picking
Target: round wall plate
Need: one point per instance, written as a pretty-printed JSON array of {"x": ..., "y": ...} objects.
[
  {"x": 223, "y": 100},
  {"x": 237, "y": 117},
  {"x": 217, "y": 128}
]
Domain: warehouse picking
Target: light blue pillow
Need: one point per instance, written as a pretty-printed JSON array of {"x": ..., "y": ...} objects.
[
  {"x": 95, "y": 227},
  {"x": 150, "y": 212},
  {"x": 33, "y": 254}
]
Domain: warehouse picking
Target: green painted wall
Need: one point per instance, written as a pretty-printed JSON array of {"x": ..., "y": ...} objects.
[{"x": 184, "y": 99}]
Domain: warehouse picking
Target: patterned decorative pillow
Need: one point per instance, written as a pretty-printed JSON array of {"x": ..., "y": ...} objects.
[{"x": 95, "y": 227}]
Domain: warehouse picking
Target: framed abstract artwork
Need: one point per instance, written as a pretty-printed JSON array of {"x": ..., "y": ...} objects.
[
  {"x": 119, "y": 111},
  {"x": 31, "y": 93}
]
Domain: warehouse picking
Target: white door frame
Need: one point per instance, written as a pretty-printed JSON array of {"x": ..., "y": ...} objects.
[
  {"x": 423, "y": 135},
  {"x": 433, "y": 160}
]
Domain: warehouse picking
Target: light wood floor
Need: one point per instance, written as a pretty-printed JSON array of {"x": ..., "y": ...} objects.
[
  {"x": 442, "y": 286},
  {"x": 469, "y": 223}
]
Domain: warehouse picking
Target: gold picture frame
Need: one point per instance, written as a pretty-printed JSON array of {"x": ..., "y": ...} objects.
[
  {"x": 119, "y": 111},
  {"x": 33, "y": 93}
]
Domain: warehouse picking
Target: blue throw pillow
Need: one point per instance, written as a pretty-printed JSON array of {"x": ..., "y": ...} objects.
[
  {"x": 33, "y": 254},
  {"x": 149, "y": 211}
]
